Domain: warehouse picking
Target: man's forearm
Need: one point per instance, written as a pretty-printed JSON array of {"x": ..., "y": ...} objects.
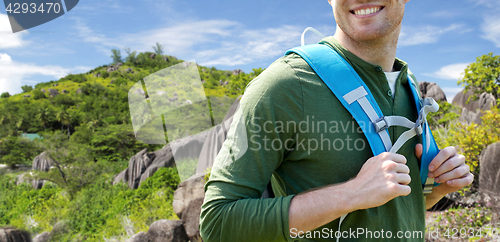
[
  {"x": 433, "y": 198},
  {"x": 316, "y": 208},
  {"x": 381, "y": 178}
]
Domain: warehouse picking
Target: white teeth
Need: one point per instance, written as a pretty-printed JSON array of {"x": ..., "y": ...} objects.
[{"x": 367, "y": 11}]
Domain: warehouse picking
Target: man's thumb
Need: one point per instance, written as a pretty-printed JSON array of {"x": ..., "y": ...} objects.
[{"x": 418, "y": 150}]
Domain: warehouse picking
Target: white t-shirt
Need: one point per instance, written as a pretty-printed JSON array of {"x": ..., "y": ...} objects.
[{"x": 391, "y": 78}]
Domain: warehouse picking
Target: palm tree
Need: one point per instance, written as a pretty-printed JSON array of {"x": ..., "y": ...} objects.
[
  {"x": 158, "y": 49},
  {"x": 21, "y": 124},
  {"x": 3, "y": 121},
  {"x": 44, "y": 116},
  {"x": 92, "y": 125},
  {"x": 6, "y": 119},
  {"x": 65, "y": 119}
]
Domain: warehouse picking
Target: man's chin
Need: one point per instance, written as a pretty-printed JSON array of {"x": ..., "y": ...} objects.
[
  {"x": 370, "y": 33},
  {"x": 367, "y": 36}
]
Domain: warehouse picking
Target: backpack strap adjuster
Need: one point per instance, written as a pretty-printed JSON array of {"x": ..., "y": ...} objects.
[
  {"x": 419, "y": 130},
  {"x": 380, "y": 124}
]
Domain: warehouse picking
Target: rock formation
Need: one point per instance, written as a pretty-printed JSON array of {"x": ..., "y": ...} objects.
[
  {"x": 187, "y": 191},
  {"x": 203, "y": 146},
  {"x": 191, "y": 220},
  {"x": 467, "y": 116},
  {"x": 113, "y": 68},
  {"x": 472, "y": 111},
  {"x": 167, "y": 231},
  {"x": 139, "y": 237},
  {"x": 42, "y": 163},
  {"x": 489, "y": 177},
  {"x": 9, "y": 234},
  {"x": 121, "y": 177},
  {"x": 43, "y": 237},
  {"x": 432, "y": 90},
  {"x": 53, "y": 92},
  {"x": 237, "y": 72},
  {"x": 190, "y": 193},
  {"x": 59, "y": 229},
  {"x": 143, "y": 165},
  {"x": 138, "y": 165},
  {"x": 20, "y": 179},
  {"x": 485, "y": 101}
]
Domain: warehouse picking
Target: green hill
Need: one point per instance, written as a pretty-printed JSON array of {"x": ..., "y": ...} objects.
[{"x": 92, "y": 108}]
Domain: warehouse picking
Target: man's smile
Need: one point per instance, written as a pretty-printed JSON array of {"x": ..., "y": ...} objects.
[{"x": 366, "y": 10}]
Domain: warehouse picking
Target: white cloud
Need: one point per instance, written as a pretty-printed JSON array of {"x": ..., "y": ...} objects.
[
  {"x": 451, "y": 92},
  {"x": 491, "y": 25},
  {"x": 450, "y": 72},
  {"x": 491, "y": 29},
  {"x": 88, "y": 35},
  {"x": 7, "y": 38},
  {"x": 492, "y": 4},
  {"x": 105, "y": 7},
  {"x": 16, "y": 74},
  {"x": 5, "y": 58},
  {"x": 176, "y": 39},
  {"x": 443, "y": 14},
  {"x": 182, "y": 37},
  {"x": 210, "y": 42},
  {"x": 253, "y": 45},
  {"x": 426, "y": 34}
]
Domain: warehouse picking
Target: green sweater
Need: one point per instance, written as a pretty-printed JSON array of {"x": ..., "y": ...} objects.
[{"x": 299, "y": 136}]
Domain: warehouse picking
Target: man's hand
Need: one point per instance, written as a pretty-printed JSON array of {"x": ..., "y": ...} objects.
[
  {"x": 449, "y": 169},
  {"x": 381, "y": 179}
]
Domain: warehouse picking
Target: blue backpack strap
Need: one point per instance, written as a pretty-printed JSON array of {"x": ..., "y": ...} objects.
[
  {"x": 429, "y": 145},
  {"x": 353, "y": 93},
  {"x": 358, "y": 100}
]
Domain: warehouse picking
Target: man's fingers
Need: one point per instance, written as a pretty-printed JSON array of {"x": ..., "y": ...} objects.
[
  {"x": 401, "y": 168},
  {"x": 448, "y": 165},
  {"x": 403, "y": 179},
  {"x": 461, "y": 182},
  {"x": 441, "y": 157},
  {"x": 404, "y": 190},
  {"x": 394, "y": 157},
  {"x": 458, "y": 172},
  {"x": 418, "y": 150}
]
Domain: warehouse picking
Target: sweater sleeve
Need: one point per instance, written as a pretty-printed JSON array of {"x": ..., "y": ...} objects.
[{"x": 256, "y": 145}]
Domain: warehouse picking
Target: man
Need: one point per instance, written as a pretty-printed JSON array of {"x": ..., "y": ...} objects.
[{"x": 302, "y": 139}]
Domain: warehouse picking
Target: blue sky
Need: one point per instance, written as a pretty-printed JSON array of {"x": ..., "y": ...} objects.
[{"x": 438, "y": 39}]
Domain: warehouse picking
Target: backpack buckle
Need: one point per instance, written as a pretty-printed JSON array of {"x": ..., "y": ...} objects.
[
  {"x": 419, "y": 130},
  {"x": 380, "y": 125},
  {"x": 428, "y": 186}
]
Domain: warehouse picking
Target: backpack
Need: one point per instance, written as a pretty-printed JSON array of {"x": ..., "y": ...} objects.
[{"x": 358, "y": 100}]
